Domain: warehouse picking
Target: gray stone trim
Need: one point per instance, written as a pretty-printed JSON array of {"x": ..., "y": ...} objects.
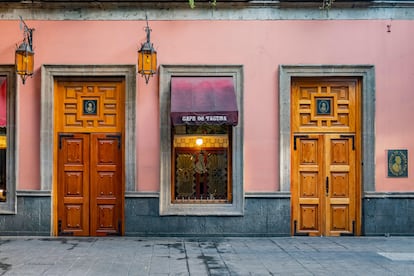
[
  {"x": 388, "y": 195},
  {"x": 142, "y": 194},
  {"x": 49, "y": 72},
  {"x": 10, "y": 206},
  {"x": 246, "y": 195},
  {"x": 166, "y": 207},
  {"x": 267, "y": 195},
  {"x": 367, "y": 73},
  {"x": 249, "y": 10},
  {"x": 33, "y": 193}
]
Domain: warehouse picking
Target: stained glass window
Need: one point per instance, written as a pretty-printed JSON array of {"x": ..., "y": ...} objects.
[
  {"x": 201, "y": 162},
  {"x": 3, "y": 137}
]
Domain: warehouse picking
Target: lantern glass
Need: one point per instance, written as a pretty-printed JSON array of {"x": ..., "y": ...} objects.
[
  {"x": 147, "y": 62},
  {"x": 24, "y": 61}
]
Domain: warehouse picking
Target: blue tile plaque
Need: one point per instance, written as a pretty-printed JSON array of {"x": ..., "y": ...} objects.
[
  {"x": 89, "y": 107},
  {"x": 398, "y": 163},
  {"x": 323, "y": 106}
]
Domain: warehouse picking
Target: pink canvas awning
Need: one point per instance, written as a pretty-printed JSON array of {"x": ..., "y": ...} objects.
[
  {"x": 203, "y": 100},
  {"x": 3, "y": 106}
]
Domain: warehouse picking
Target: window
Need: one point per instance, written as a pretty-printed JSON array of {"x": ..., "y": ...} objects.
[
  {"x": 3, "y": 138},
  {"x": 201, "y": 164},
  {"x": 201, "y": 148},
  {"x": 7, "y": 158}
]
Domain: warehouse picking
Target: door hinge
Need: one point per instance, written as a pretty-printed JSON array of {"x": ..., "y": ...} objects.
[
  {"x": 118, "y": 233},
  {"x": 64, "y": 135},
  {"x": 295, "y": 233},
  {"x": 118, "y": 137},
  {"x": 63, "y": 233},
  {"x": 350, "y": 137},
  {"x": 327, "y": 186},
  {"x": 296, "y": 137},
  {"x": 353, "y": 230}
]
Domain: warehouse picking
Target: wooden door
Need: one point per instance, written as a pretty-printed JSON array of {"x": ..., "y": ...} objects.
[
  {"x": 90, "y": 184},
  {"x": 73, "y": 187},
  {"x": 324, "y": 184},
  {"x": 340, "y": 184},
  {"x": 325, "y": 168},
  {"x": 106, "y": 184}
]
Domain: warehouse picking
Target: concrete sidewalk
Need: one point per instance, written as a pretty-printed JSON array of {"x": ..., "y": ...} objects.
[{"x": 207, "y": 256}]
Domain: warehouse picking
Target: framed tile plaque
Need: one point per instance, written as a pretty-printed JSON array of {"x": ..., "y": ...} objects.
[
  {"x": 323, "y": 106},
  {"x": 398, "y": 163},
  {"x": 89, "y": 107}
]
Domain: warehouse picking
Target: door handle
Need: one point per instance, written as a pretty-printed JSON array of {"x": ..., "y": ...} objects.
[{"x": 327, "y": 185}]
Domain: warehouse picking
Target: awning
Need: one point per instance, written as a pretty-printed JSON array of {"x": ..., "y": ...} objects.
[
  {"x": 203, "y": 100},
  {"x": 3, "y": 103}
]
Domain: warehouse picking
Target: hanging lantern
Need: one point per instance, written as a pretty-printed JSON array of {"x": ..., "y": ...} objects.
[
  {"x": 24, "y": 55},
  {"x": 147, "y": 58}
]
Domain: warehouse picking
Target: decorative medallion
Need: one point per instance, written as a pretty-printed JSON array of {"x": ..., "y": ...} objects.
[
  {"x": 90, "y": 107},
  {"x": 323, "y": 106},
  {"x": 398, "y": 163}
]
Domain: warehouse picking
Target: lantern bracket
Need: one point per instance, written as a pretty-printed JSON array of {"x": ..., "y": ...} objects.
[
  {"x": 24, "y": 53},
  {"x": 27, "y": 33},
  {"x": 147, "y": 56}
]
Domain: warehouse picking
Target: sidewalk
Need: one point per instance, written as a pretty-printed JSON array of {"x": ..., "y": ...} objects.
[{"x": 207, "y": 256}]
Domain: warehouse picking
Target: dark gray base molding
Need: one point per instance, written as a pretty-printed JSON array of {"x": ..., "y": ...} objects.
[
  {"x": 384, "y": 214},
  {"x": 33, "y": 217},
  {"x": 266, "y": 216},
  {"x": 388, "y": 214},
  {"x": 262, "y": 217}
]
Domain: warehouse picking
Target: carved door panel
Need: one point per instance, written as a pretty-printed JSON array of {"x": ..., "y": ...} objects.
[
  {"x": 325, "y": 105},
  {"x": 106, "y": 188},
  {"x": 340, "y": 184},
  {"x": 323, "y": 185},
  {"x": 307, "y": 190},
  {"x": 73, "y": 184},
  {"x": 90, "y": 193}
]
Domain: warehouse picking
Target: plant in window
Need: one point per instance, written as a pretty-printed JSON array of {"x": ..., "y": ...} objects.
[
  {"x": 192, "y": 3},
  {"x": 326, "y": 4}
]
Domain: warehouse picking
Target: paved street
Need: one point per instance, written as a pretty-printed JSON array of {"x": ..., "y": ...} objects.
[{"x": 207, "y": 256}]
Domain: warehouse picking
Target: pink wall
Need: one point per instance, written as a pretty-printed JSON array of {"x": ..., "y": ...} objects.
[{"x": 261, "y": 46}]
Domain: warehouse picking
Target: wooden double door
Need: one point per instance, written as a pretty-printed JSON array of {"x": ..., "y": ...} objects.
[
  {"x": 324, "y": 184},
  {"x": 90, "y": 184},
  {"x": 325, "y": 163}
]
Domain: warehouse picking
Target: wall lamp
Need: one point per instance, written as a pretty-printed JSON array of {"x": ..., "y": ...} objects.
[
  {"x": 147, "y": 58},
  {"x": 24, "y": 56}
]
